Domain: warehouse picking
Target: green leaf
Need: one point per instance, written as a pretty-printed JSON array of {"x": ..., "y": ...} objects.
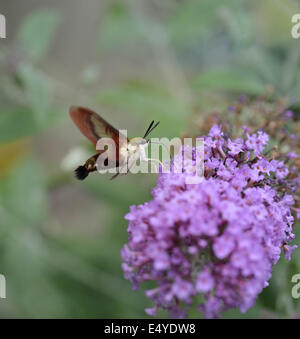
[
  {"x": 194, "y": 20},
  {"x": 150, "y": 102},
  {"x": 38, "y": 92},
  {"x": 238, "y": 25},
  {"x": 16, "y": 124},
  {"x": 22, "y": 195},
  {"x": 22, "y": 123},
  {"x": 119, "y": 28},
  {"x": 230, "y": 80},
  {"x": 262, "y": 62},
  {"x": 37, "y": 31},
  {"x": 119, "y": 192}
]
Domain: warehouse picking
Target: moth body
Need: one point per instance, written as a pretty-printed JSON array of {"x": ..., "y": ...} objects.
[{"x": 128, "y": 150}]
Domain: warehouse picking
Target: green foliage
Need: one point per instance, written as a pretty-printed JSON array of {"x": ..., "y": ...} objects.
[
  {"x": 230, "y": 79},
  {"x": 27, "y": 89},
  {"x": 24, "y": 199},
  {"x": 194, "y": 20},
  {"x": 119, "y": 28},
  {"x": 37, "y": 92},
  {"x": 37, "y": 31},
  {"x": 16, "y": 124},
  {"x": 148, "y": 102}
]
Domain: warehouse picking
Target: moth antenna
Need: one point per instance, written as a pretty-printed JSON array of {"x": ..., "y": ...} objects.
[
  {"x": 148, "y": 129},
  {"x": 81, "y": 172}
]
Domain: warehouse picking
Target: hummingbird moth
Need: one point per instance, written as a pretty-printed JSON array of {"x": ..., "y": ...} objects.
[{"x": 128, "y": 151}]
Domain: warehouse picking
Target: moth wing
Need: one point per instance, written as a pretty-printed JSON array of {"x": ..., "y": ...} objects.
[{"x": 93, "y": 126}]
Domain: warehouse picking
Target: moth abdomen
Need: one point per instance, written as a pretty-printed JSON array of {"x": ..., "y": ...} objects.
[{"x": 81, "y": 172}]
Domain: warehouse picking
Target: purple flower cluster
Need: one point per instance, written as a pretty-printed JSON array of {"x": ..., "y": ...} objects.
[{"x": 216, "y": 240}]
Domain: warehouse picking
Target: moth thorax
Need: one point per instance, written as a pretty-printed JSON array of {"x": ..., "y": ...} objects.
[{"x": 135, "y": 143}]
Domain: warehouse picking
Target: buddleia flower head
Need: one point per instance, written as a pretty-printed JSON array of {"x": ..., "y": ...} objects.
[{"x": 218, "y": 240}]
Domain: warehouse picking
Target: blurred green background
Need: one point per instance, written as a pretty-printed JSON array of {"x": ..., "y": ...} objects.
[{"x": 131, "y": 61}]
